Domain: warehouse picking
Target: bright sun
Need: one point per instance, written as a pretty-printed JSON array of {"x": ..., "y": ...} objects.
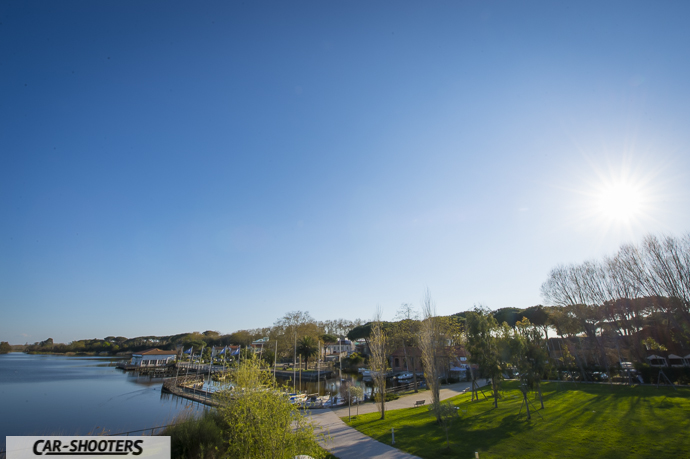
[
  {"x": 619, "y": 201},
  {"x": 621, "y": 197}
]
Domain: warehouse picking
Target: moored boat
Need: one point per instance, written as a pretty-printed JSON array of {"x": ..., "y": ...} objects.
[{"x": 405, "y": 376}]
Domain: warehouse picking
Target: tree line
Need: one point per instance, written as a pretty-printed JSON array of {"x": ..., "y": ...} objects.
[
  {"x": 599, "y": 313},
  {"x": 620, "y": 307},
  {"x": 297, "y": 326}
]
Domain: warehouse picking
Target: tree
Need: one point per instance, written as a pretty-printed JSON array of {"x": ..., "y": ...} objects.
[
  {"x": 378, "y": 360},
  {"x": 364, "y": 332},
  {"x": 293, "y": 326},
  {"x": 328, "y": 338},
  {"x": 538, "y": 315},
  {"x": 339, "y": 327},
  {"x": 507, "y": 315},
  {"x": 404, "y": 333},
  {"x": 240, "y": 338},
  {"x": 195, "y": 340},
  {"x": 268, "y": 357},
  {"x": 445, "y": 413},
  {"x": 261, "y": 421},
  {"x": 5, "y": 347},
  {"x": 357, "y": 393},
  {"x": 483, "y": 346},
  {"x": 657, "y": 271},
  {"x": 568, "y": 326},
  {"x": 430, "y": 345},
  {"x": 360, "y": 332},
  {"x": 530, "y": 356},
  {"x": 307, "y": 347},
  {"x": 355, "y": 359}
]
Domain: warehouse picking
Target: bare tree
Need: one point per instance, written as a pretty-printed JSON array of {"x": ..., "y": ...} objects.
[
  {"x": 639, "y": 281},
  {"x": 379, "y": 360},
  {"x": 339, "y": 327},
  {"x": 581, "y": 288},
  {"x": 430, "y": 345}
]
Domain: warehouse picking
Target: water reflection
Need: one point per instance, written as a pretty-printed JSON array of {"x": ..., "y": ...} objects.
[{"x": 330, "y": 386}]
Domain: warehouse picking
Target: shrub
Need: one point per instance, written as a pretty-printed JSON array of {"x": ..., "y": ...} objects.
[
  {"x": 254, "y": 420},
  {"x": 389, "y": 397},
  {"x": 200, "y": 437},
  {"x": 355, "y": 359}
]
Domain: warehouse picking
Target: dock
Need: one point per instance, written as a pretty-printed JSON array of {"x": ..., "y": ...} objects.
[
  {"x": 170, "y": 370},
  {"x": 181, "y": 387},
  {"x": 308, "y": 375}
]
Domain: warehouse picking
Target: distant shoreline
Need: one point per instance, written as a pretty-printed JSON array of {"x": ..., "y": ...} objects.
[{"x": 71, "y": 354}]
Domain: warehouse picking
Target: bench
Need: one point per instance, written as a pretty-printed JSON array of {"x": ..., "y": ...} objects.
[{"x": 419, "y": 403}]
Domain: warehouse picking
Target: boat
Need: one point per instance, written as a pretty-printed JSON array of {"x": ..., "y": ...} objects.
[
  {"x": 297, "y": 399},
  {"x": 405, "y": 376},
  {"x": 332, "y": 402},
  {"x": 314, "y": 401},
  {"x": 370, "y": 375}
]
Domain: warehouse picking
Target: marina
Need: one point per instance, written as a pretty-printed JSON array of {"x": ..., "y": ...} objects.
[{"x": 77, "y": 395}]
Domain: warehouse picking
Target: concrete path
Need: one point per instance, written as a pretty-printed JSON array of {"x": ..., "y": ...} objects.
[
  {"x": 348, "y": 443},
  {"x": 408, "y": 401}
]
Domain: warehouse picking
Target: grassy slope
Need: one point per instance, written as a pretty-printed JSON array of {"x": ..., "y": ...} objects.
[{"x": 583, "y": 421}]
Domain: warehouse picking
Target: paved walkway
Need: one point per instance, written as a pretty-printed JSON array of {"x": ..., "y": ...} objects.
[{"x": 348, "y": 443}]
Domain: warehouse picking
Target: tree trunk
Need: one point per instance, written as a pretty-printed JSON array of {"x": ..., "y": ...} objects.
[
  {"x": 524, "y": 397},
  {"x": 407, "y": 363},
  {"x": 604, "y": 357},
  {"x": 494, "y": 385},
  {"x": 578, "y": 359}
]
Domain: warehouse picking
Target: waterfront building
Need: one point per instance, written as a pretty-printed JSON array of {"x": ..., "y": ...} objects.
[
  {"x": 153, "y": 358},
  {"x": 342, "y": 347},
  {"x": 452, "y": 361}
]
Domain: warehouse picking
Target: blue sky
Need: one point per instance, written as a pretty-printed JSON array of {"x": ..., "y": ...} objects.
[{"x": 169, "y": 167}]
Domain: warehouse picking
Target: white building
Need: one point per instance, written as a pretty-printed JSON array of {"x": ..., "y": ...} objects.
[
  {"x": 343, "y": 347},
  {"x": 153, "y": 358},
  {"x": 259, "y": 344}
]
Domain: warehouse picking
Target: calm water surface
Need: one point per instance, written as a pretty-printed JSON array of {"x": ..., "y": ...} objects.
[{"x": 48, "y": 394}]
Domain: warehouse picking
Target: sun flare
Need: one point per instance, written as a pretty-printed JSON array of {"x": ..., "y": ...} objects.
[
  {"x": 620, "y": 201},
  {"x": 624, "y": 198}
]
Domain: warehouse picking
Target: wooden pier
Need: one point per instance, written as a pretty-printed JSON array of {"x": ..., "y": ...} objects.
[
  {"x": 185, "y": 387},
  {"x": 171, "y": 370},
  {"x": 309, "y": 375}
]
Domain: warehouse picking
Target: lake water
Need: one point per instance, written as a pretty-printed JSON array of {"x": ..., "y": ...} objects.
[
  {"x": 49, "y": 394},
  {"x": 61, "y": 395}
]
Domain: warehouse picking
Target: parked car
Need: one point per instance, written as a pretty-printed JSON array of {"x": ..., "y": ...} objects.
[{"x": 599, "y": 376}]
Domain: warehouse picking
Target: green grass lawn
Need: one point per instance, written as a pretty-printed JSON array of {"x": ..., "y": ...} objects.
[{"x": 586, "y": 421}]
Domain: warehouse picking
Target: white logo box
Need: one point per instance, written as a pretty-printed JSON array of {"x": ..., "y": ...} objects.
[{"x": 83, "y": 447}]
